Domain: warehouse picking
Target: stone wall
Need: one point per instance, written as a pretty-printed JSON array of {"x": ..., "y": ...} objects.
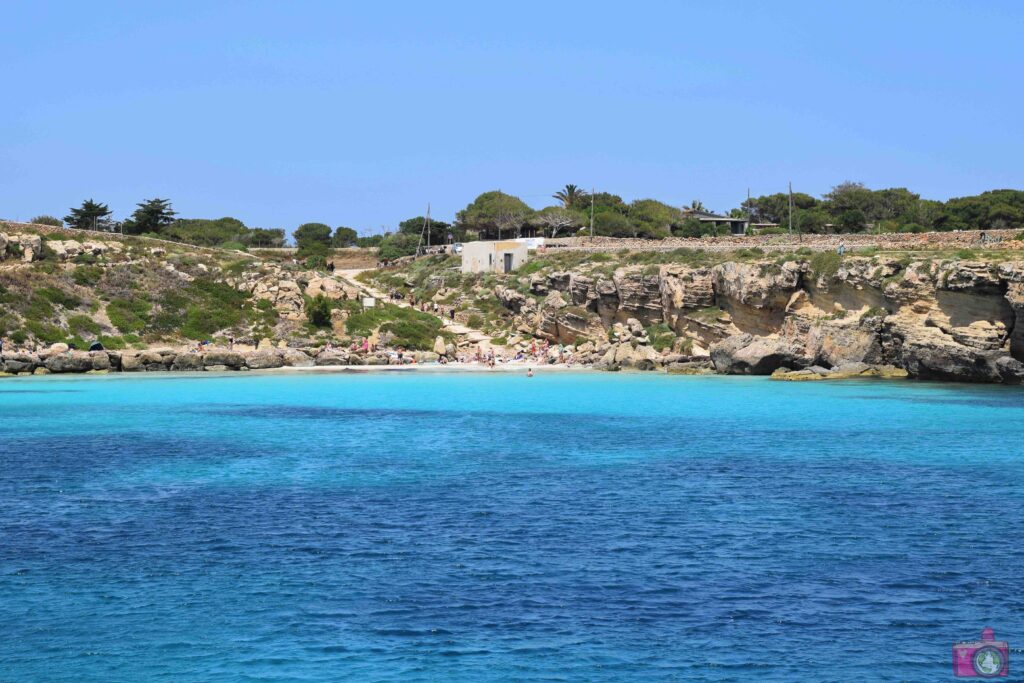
[{"x": 966, "y": 239}]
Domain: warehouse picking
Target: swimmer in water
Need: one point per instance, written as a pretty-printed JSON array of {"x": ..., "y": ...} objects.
[{"x": 529, "y": 372}]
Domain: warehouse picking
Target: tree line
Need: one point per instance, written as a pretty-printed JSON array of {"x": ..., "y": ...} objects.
[
  {"x": 846, "y": 208},
  {"x": 156, "y": 218}
]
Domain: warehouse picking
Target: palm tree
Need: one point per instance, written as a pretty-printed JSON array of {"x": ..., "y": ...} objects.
[
  {"x": 570, "y": 195},
  {"x": 697, "y": 205}
]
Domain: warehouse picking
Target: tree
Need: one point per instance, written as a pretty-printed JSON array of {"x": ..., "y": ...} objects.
[
  {"x": 312, "y": 239},
  {"x": 691, "y": 227},
  {"x": 774, "y": 208},
  {"x": 495, "y": 213},
  {"x": 396, "y": 245},
  {"x": 697, "y": 205},
  {"x": 48, "y": 220},
  {"x": 264, "y": 237},
  {"x": 369, "y": 241},
  {"x": 651, "y": 218},
  {"x": 611, "y": 224},
  {"x": 895, "y": 203},
  {"x": 90, "y": 216},
  {"x": 554, "y": 219},
  {"x": 150, "y": 216},
  {"x": 847, "y": 197},
  {"x": 344, "y": 237},
  {"x": 439, "y": 230},
  {"x": 852, "y": 220},
  {"x": 570, "y": 196},
  {"x": 203, "y": 231}
]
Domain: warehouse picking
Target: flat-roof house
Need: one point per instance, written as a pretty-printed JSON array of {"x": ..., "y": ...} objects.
[
  {"x": 736, "y": 226},
  {"x": 493, "y": 257}
]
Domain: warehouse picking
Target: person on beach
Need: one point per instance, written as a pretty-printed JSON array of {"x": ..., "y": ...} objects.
[
  {"x": 451, "y": 314},
  {"x": 841, "y": 250}
]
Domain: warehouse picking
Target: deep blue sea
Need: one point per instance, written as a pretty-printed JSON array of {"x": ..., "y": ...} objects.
[{"x": 467, "y": 527}]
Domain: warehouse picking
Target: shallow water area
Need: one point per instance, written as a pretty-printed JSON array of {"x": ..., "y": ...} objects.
[{"x": 491, "y": 527}]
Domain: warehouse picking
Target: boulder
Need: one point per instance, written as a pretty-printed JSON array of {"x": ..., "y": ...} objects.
[
  {"x": 188, "y": 362},
  {"x": 295, "y": 358},
  {"x": 332, "y": 358},
  {"x": 439, "y": 346},
  {"x": 745, "y": 354},
  {"x": 229, "y": 359},
  {"x": 19, "y": 362},
  {"x": 75, "y": 361},
  {"x": 262, "y": 360}
]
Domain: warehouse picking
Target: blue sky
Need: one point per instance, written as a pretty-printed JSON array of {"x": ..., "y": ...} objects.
[{"x": 359, "y": 114}]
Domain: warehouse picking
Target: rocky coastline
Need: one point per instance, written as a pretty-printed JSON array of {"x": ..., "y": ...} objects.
[
  {"x": 951, "y": 319},
  {"x": 58, "y": 360}
]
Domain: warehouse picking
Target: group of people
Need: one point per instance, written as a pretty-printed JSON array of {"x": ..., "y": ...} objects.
[{"x": 435, "y": 308}]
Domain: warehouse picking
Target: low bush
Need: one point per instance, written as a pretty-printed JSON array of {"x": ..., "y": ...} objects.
[
  {"x": 661, "y": 336},
  {"x": 318, "y": 311},
  {"x": 825, "y": 263},
  {"x": 87, "y": 276},
  {"x": 129, "y": 315},
  {"x": 83, "y": 325}
]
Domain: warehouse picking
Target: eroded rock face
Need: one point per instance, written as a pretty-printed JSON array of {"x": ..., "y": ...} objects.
[
  {"x": 746, "y": 354},
  {"x": 639, "y": 295}
]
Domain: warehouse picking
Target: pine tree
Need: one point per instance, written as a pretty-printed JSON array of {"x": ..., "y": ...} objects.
[
  {"x": 90, "y": 216},
  {"x": 150, "y": 217}
]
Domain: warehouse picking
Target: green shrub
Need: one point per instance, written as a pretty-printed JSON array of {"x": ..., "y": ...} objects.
[
  {"x": 237, "y": 267},
  {"x": 475, "y": 320},
  {"x": 46, "y": 333},
  {"x": 129, "y": 315},
  {"x": 966, "y": 254},
  {"x": 825, "y": 263},
  {"x": 661, "y": 336},
  {"x": 315, "y": 263},
  {"x": 59, "y": 297},
  {"x": 48, "y": 220},
  {"x": 113, "y": 343},
  {"x": 410, "y": 328},
  {"x": 318, "y": 311},
  {"x": 87, "y": 276},
  {"x": 233, "y": 246},
  {"x": 82, "y": 325}
]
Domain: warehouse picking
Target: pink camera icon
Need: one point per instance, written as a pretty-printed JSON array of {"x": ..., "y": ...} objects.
[{"x": 985, "y": 658}]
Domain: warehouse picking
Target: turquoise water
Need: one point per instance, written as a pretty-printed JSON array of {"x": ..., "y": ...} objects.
[{"x": 463, "y": 527}]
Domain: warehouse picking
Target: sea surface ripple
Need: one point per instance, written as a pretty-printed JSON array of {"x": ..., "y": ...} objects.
[{"x": 569, "y": 527}]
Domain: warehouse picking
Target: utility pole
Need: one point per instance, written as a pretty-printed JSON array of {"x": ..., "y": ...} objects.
[
  {"x": 790, "y": 207},
  {"x": 591, "y": 213}
]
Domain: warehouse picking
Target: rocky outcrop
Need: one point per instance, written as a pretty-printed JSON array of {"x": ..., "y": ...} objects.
[
  {"x": 950, "y": 319},
  {"x": 59, "y": 360}
]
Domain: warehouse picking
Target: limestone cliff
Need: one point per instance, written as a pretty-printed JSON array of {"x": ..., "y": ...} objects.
[{"x": 937, "y": 319}]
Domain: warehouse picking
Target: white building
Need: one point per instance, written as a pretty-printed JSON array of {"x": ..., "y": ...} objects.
[{"x": 493, "y": 257}]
